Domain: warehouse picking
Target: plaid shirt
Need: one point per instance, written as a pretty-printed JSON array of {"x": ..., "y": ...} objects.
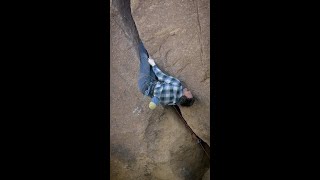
[{"x": 168, "y": 89}]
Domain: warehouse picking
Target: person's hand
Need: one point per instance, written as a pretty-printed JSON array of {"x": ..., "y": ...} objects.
[{"x": 151, "y": 62}]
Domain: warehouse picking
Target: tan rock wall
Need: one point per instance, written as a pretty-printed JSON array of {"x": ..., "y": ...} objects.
[{"x": 155, "y": 144}]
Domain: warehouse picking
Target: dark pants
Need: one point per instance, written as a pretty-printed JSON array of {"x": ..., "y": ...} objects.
[{"x": 146, "y": 75}]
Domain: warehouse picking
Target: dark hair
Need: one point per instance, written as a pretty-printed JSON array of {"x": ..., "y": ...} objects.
[{"x": 184, "y": 101}]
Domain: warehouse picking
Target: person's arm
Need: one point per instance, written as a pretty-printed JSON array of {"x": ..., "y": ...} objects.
[{"x": 162, "y": 76}]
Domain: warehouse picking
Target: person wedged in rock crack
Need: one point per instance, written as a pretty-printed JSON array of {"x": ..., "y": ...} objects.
[{"x": 163, "y": 89}]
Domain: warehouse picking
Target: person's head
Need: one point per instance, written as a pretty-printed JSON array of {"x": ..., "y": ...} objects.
[{"x": 186, "y": 99}]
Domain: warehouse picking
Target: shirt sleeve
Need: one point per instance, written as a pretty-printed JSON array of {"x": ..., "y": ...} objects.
[{"x": 163, "y": 77}]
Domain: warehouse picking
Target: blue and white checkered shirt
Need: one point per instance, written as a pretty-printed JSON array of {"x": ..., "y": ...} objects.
[{"x": 168, "y": 89}]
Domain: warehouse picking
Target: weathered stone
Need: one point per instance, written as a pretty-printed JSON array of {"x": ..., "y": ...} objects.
[
  {"x": 206, "y": 176},
  {"x": 148, "y": 144}
]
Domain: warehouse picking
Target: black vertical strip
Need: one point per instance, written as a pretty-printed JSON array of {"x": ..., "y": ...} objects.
[
  {"x": 216, "y": 89},
  {"x": 103, "y": 138}
]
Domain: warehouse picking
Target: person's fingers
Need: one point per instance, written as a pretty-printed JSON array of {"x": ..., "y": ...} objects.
[{"x": 151, "y": 62}]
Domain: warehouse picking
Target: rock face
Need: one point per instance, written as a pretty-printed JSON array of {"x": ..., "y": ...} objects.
[{"x": 146, "y": 144}]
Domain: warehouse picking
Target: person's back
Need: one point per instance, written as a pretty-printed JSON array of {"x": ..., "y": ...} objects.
[{"x": 162, "y": 88}]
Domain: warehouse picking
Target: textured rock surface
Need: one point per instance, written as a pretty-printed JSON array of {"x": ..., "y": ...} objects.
[
  {"x": 155, "y": 144},
  {"x": 206, "y": 176}
]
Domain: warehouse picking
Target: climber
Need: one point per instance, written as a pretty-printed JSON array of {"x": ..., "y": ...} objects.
[{"x": 162, "y": 88}]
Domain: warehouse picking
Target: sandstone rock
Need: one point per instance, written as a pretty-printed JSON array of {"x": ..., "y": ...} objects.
[
  {"x": 176, "y": 34},
  {"x": 147, "y": 144},
  {"x": 206, "y": 176}
]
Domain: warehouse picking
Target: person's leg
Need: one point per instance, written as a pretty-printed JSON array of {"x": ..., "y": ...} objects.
[
  {"x": 153, "y": 75},
  {"x": 145, "y": 69}
]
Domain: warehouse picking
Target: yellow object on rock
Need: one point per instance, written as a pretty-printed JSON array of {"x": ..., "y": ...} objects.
[{"x": 152, "y": 105}]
